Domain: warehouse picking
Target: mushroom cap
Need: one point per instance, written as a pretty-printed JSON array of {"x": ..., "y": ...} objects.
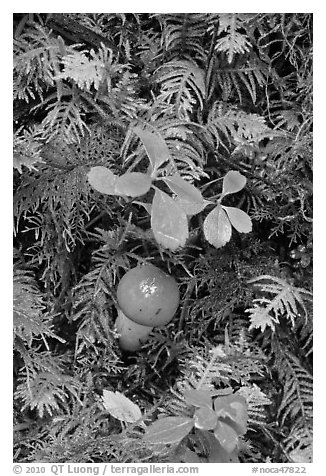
[{"x": 148, "y": 296}]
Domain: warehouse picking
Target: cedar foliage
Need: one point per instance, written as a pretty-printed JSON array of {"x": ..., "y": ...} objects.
[{"x": 226, "y": 92}]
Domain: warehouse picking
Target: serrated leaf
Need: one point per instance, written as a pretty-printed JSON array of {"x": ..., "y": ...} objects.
[
  {"x": 121, "y": 407},
  {"x": 217, "y": 227},
  {"x": 155, "y": 146},
  {"x": 168, "y": 430},
  {"x": 239, "y": 219},
  {"x": 198, "y": 398},
  {"x": 20, "y": 160},
  {"x": 233, "y": 182},
  {"x": 205, "y": 418},
  {"x": 226, "y": 436},
  {"x": 102, "y": 179},
  {"x": 133, "y": 184},
  {"x": 169, "y": 221}
]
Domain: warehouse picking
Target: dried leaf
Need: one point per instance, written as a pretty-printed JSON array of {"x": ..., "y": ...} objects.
[{"x": 121, "y": 407}]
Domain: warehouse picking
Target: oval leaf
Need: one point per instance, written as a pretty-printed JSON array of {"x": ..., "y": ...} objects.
[
  {"x": 198, "y": 398},
  {"x": 147, "y": 206},
  {"x": 205, "y": 418},
  {"x": 185, "y": 190},
  {"x": 102, "y": 179},
  {"x": 239, "y": 219},
  {"x": 121, "y": 407},
  {"x": 233, "y": 182},
  {"x": 133, "y": 184},
  {"x": 190, "y": 208},
  {"x": 169, "y": 221},
  {"x": 239, "y": 421},
  {"x": 217, "y": 453},
  {"x": 226, "y": 436},
  {"x": 155, "y": 146},
  {"x": 168, "y": 430},
  {"x": 217, "y": 227}
]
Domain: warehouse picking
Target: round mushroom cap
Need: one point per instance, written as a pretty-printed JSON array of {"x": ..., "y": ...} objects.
[{"x": 148, "y": 296}]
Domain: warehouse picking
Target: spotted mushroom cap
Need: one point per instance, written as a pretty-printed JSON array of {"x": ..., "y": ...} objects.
[{"x": 148, "y": 296}]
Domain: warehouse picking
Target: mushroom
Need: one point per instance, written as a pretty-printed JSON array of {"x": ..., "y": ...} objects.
[{"x": 148, "y": 298}]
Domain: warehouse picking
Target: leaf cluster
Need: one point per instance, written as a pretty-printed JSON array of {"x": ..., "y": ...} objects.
[{"x": 183, "y": 140}]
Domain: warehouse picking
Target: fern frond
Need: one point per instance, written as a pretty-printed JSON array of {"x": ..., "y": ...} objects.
[
  {"x": 64, "y": 120},
  {"x": 83, "y": 71},
  {"x": 297, "y": 396},
  {"x": 233, "y": 42},
  {"x": 44, "y": 385},
  {"x": 92, "y": 68},
  {"x": 37, "y": 62},
  {"x": 27, "y": 148},
  {"x": 256, "y": 400},
  {"x": 94, "y": 296},
  {"x": 58, "y": 193},
  {"x": 31, "y": 321},
  {"x": 236, "y": 126},
  {"x": 267, "y": 311},
  {"x": 183, "y": 34},
  {"x": 247, "y": 78},
  {"x": 182, "y": 85},
  {"x": 299, "y": 444},
  {"x": 183, "y": 140}
]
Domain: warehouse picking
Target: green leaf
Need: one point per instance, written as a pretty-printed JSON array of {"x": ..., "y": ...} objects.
[
  {"x": 226, "y": 436},
  {"x": 155, "y": 146},
  {"x": 188, "y": 456},
  {"x": 147, "y": 206},
  {"x": 121, "y": 407},
  {"x": 190, "y": 208},
  {"x": 185, "y": 190},
  {"x": 233, "y": 182},
  {"x": 239, "y": 219},
  {"x": 169, "y": 221},
  {"x": 188, "y": 197},
  {"x": 102, "y": 180},
  {"x": 168, "y": 430},
  {"x": 232, "y": 409},
  {"x": 217, "y": 227},
  {"x": 216, "y": 453},
  {"x": 239, "y": 421},
  {"x": 205, "y": 418},
  {"x": 222, "y": 406},
  {"x": 133, "y": 184},
  {"x": 198, "y": 398}
]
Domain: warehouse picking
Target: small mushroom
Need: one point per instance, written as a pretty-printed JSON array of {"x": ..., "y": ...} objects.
[{"x": 147, "y": 298}]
